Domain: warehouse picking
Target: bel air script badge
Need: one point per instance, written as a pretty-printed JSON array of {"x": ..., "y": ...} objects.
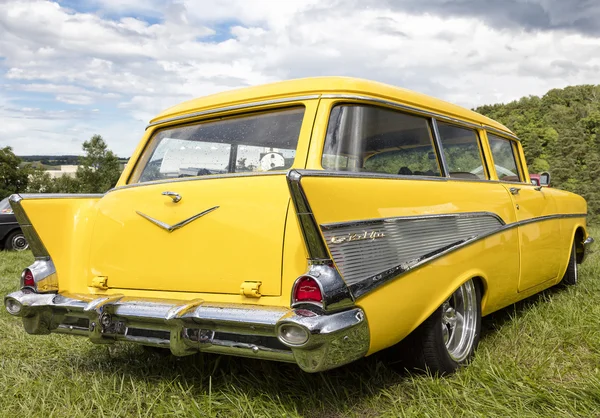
[{"x": 363, "y": 236}]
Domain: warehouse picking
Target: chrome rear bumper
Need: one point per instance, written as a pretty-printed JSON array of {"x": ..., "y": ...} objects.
[{"x": 187, "y": 327}]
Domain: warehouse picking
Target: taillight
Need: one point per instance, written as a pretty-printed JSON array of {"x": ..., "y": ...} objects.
[
  {"x": 307, "y": 290},
  {"x": 28, "y": 280}
]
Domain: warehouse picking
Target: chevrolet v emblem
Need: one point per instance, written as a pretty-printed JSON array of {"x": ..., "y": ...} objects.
[{"x": 171, "y": 228}]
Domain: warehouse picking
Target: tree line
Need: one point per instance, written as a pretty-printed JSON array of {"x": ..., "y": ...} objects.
[
  {"x": 560, "y": 134},
  {"x": 98, "y": 171}
]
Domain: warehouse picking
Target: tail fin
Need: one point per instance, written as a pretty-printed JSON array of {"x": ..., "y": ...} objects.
[{"x": 51, "y": 224}]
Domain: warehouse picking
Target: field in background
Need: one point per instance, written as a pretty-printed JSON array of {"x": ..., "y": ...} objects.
[{"x": 540, "y": 357}]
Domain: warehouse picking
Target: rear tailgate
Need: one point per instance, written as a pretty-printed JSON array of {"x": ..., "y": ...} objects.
[{"x": 237, "y": 237}]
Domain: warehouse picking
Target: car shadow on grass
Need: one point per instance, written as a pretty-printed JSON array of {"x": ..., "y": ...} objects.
[
  {"x": 333, "y": 392},
  {"x": 310, "y": 394},
  {"x": 493, "y": 322}
]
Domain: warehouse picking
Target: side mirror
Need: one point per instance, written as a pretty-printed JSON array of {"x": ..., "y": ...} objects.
[{"x": 545, "y": 179}]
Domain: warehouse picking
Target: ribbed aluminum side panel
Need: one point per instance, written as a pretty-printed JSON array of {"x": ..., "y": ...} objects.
[{"x": 360, "y": 252}]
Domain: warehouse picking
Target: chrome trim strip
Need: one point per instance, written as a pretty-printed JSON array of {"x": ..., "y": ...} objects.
[
  {"x": 44, "y": 276},
  {"x": 335, "y": 225},
  {"x": 499, "y": 132},
  {"x": 336, "y": 294},
  {"x": 233, "y": 107},
  {"x": 413, "y": 110},
  {"x": 187, "y": 327},
  {"x": 371, "y": 283},
  {"x": 198, "y": 178},
  {"x": 62, "y": 196},
  {"x": 385, "y": 176},
  {"x": 171, "y": 228},
  {"x": 317, "y": 251},
  {"x": 437, "y": 139},
  {"x": 381, "y": 176},
  {"x": 587, "y": 246},
  {"x": 35, "y": 242}
]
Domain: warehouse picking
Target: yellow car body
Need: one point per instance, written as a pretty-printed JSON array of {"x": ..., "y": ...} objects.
[{"x": 216, "y": 270}]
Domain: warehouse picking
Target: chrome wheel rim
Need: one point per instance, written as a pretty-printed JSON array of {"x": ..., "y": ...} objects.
[
  {"x": 19, "y": 243},
  {"x": 459, "y": 322}
]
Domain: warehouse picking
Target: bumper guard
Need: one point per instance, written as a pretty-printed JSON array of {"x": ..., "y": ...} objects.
[{"x": 187, "y": 327}]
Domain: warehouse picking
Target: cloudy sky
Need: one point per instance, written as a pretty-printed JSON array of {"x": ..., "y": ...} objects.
[{"x": 73, "y": 68}]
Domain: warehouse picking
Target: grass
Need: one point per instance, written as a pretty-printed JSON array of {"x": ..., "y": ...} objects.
[{"x": 540, "y": 357}]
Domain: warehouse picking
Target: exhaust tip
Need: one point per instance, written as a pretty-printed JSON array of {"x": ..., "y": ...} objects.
[{"x": 13, "y": 306}]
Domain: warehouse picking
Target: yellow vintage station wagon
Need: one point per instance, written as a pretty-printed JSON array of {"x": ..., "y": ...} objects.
[{"x": 312, "y": 221}]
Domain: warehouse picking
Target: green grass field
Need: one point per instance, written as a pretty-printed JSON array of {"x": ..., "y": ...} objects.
[{"x": 540, "y": 357}]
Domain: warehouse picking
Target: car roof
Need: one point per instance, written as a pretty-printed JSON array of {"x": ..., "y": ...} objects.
[{"x": 327, "y": 85}]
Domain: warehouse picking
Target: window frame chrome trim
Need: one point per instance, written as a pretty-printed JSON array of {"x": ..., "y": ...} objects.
[
  {"x": 496, "y": 131},
  {"x": 437, "y": 140},
  {"x": 60, "y": 196},
  {"x": 412, "y": 109},
  {"x": 232, "y": 107},
  {"x": 385, "y": 176},
  {"x": 197, "y": 178}
]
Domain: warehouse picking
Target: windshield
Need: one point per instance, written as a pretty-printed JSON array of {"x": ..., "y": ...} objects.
[{"x": 250, "y": 143}]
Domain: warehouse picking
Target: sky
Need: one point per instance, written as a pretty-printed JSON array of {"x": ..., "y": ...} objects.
[{"x": 70, "y": 69}]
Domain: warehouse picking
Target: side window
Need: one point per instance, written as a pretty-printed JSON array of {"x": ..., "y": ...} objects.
[
  {"x": 462, "y": 152},
  {"x": 363, "y": 138},
  {"x": 505, "y": 160}
]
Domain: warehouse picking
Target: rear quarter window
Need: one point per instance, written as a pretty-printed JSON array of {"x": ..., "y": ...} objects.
[{"x": 363, "y": 138}]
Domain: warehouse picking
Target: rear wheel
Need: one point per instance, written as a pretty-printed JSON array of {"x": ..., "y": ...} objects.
[
  {"x": 16, "y": 242},
  {"x": 448, "y": 338},
  {"x": 571, "y": 276}
]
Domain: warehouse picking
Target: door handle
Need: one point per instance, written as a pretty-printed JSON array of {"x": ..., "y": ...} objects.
[
  {"x": 514, "y": 190},
  {"x": 538, "y": 188},
  {"x": 175, "y": 196}
]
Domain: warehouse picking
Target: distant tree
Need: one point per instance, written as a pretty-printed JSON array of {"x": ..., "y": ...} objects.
[
  {"x": 560, "y": 133},
  {"x": 13, "y": 179},
  {"x": 66, "y": 184},
  {"x": 98, "y": 170},
  {"x": 40, "y": 181}
]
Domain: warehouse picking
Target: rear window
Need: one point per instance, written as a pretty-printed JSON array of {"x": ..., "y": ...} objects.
[
  {"x": 378, "y": 140},
  {"x": 256, "y": 142}
]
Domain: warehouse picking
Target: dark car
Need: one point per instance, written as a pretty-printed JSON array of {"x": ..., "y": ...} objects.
[{"x": 11, "y": 236}]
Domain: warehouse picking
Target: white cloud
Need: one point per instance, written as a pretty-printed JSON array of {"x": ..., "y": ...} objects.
[{"x": 130, "y": 59}]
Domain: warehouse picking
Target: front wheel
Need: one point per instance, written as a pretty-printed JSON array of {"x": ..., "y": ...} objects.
[
  {"x": 16, "y": 242},
  {"x": 571, "y": 276},
  {"x": 448, "y": 338}
]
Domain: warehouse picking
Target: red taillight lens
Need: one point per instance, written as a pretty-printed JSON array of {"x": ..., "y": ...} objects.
[
  {"x": 28, "y": 280},
  {"x": 307, "y": 289}
]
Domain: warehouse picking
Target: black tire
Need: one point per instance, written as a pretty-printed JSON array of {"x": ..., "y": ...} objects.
[
  {"x": 429, "y": 347},
  {"x": 571, "y": 276},
  {"x": 15, "y": 241}
]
